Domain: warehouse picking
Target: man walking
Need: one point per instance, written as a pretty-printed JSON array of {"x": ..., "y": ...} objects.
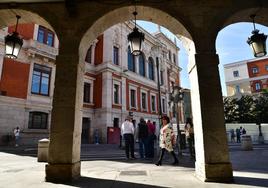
[{"x": 127, "y": 131}]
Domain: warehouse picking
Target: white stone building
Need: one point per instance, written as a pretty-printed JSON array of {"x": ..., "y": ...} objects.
[
  {"x": 246, "y": 77},
  {"x": 116, "y": 83}
]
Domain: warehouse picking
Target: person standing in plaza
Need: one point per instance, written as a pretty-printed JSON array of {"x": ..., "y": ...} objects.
[
  {"x": 238, "y": 134},
  {"x": 143, "y": 138},
  {"x": 127, "y": 131},
  {"x": 167, "y": 141},
  {"x": 189, "y": 133},
  {"x": 17, "y": 136},
  {"x": 232, "y": 135},
  {"x": 151, "y": 138}
]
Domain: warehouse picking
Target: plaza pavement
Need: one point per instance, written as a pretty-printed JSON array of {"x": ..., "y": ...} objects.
[{"x": 19, "y": 169}]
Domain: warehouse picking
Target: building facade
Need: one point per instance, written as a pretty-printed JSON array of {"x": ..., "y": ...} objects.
[
  {"x": 27, "y": 84},
  {"x": 116, "y": 83},
  {"x": 246, "y": 77}
]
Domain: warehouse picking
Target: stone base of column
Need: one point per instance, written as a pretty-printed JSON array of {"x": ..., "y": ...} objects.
[
  {"x": 59, "y": 173},
  {"x": 214, "y": 172}
]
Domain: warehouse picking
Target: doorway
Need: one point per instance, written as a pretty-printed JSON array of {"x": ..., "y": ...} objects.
[{"x": 85, "y": 137}]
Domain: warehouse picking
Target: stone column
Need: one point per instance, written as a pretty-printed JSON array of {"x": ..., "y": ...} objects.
[
  {"x": 212, "y": 155},
  {"x": 65, "y": 133}
]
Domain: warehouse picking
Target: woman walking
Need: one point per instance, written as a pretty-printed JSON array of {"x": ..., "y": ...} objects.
[{"x": 167, "y": 140}]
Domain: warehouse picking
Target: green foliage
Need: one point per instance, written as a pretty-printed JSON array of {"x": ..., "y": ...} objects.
[{"x": 247, "y": 109}]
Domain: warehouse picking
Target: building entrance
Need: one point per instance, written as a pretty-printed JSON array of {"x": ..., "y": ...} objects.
[{"x": 85, "y": 137}]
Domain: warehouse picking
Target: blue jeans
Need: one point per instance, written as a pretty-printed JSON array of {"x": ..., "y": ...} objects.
[
  {"x": 151, "y": 139},
  {"x": 143, "y": 147}
]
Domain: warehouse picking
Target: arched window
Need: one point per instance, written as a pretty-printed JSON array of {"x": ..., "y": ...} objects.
[
  {"x": 131, "y": 61},
  {"x": 88, "y": 56},
  {"x": 141, "y": 65},
  {"x": 151, "y": 68},
  {"x": 38, "y": 120}
]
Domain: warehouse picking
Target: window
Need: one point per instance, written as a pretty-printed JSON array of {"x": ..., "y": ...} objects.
[
  {"x": 41, "y": 80},
  {"x": 38, "y": 120},
  {"x": 116, "y": 122},
  {"x": 237, "y": 89},
  {"x": 151, "y": 68},
  {"x": 257, "y": 86},
  {"x": 45, "y": 36},
  {"x": 87, "y": 92},
  {"x": 174, "y": 58},
  {"x": 169, "y": 55},
  {"x": 255, "y": 70},
  {"x": 236, "y": 73},
  {"x": 161, "y": 77},
  {"x": 116, "y": 94},
  {"x": 131, "y": 61},
  {"x": 266, "y": 67},
  {"x": 116, "y": 56},
  {"x": 132, "y": 98},
  {"x": 88, "y": 56},
  {"x": 143, "y": 101},
  {"x": 163, "y": 105},
  {"x": 153, "y": 103},
  {"x": 141, "y": 65}
]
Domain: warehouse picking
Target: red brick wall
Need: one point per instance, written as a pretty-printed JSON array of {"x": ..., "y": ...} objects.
[
  {"x": 99, "y": 51},
  {"x": 15, "y": 76},
  {"x": 261, "y": 66},
  {"x": 25, "y": 30}
]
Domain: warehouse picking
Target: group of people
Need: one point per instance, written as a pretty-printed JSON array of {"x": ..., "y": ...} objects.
[
  {"x": 145, "y": 135},
  {"x": 237, "y": 133}
]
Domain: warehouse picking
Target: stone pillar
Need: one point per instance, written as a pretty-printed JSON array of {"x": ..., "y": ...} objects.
[
  {"x": 65, "y": 133},
  {"x": 212, "y": 155}
]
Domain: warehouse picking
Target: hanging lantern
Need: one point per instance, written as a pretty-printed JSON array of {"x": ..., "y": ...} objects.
[
  {"x": 257, "y": 41},
  {"x": 135, "y": 39},
  {"x": 13, "y": 43}
]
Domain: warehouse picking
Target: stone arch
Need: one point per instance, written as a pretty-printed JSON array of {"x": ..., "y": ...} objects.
[
  {"x": 244, "y": 16},
  {"x": 124, "y": 14},
  {"x": 8, "y": 17}
]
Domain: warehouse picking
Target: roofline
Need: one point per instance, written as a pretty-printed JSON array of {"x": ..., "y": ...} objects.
[{"x": 245, "y": 61}]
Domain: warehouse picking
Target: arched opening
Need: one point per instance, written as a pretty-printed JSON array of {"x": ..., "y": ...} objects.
[
  {"x": 27, "y": 83},
  {"x": 243, "y": 80}
]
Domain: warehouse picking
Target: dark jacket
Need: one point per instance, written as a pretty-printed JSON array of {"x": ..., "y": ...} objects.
[{"x": 142, "y": 130}]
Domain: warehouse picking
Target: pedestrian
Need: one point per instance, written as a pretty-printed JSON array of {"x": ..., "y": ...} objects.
[
  {"x": 237, "y": 131},
  {"x": 244, "y": 131},
  {"x": 17, "y": 136},
  {"x": 189, "y": 133},
  {"x": 151, "y": 138},
  {"x": 127, "y": 131},
  {"x": 167, "y": 141},
  {"x": 232, "y": 135},
  {"x": 143, "y": 138}
]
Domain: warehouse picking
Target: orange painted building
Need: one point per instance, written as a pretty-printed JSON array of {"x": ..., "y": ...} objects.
[{"x": 258, "y": 74}]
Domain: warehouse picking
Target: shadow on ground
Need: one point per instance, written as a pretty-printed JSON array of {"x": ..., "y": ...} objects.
[
  {"x": 85, "y": 182},
  {"x": 250, "y": 181}
]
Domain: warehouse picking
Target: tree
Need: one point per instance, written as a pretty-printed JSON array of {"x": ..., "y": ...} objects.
[
  {"x": 229, "y": 109},
  {"x": 261, "y": 108},
  {"x": 247, "y": 109}
]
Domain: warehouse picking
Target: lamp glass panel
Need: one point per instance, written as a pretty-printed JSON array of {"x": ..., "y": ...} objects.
[
  {"x": 9, "y": 48},
  {"x": 16, "y": 49}
]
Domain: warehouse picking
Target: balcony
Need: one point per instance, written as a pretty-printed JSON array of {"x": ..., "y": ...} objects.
[{"x": 36, "y": 47}]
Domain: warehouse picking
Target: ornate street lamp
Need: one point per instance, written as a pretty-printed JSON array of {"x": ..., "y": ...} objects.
[
  {"x": 257, "y": 41},
  {"x": 13, "y": 42},
  {"x": 135, "y": 38}
]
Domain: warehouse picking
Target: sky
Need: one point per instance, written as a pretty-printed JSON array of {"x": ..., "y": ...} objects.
[{"x": 231, "y": 46}]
